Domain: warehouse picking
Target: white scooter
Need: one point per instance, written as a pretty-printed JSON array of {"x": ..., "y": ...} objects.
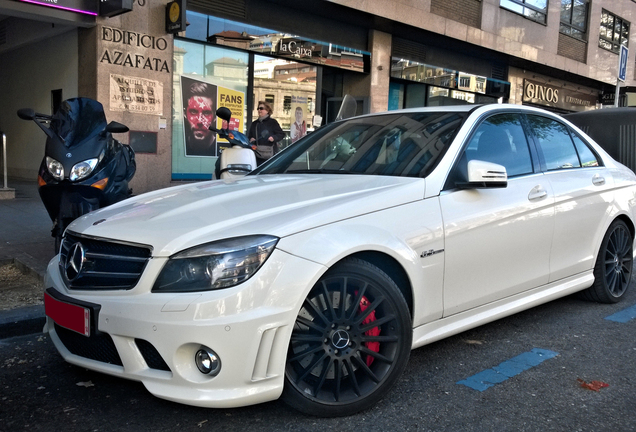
[{"x": 237, "y": 160}]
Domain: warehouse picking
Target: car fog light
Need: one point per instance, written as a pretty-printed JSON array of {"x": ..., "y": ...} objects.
[{"x": 207, "y": 361}]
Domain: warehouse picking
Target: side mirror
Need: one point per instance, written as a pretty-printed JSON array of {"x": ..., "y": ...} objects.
[
  {"x": 484, "y": 175},
  {"x": 224, "y": 114},
  {"x": 115, "y": 127},
  {"x": 26, "y": 114}
]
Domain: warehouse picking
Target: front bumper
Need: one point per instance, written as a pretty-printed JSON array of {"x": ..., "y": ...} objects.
[{"x": 248, "y": 326}]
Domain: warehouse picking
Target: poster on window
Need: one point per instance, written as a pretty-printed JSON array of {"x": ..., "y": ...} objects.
[
  {"x": 234, "y": 100},
  {"x": 200, "y": 100},
  {"x": 298, "y": 128}
]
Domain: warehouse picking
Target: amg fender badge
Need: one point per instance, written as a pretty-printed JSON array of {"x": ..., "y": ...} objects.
[{"x": 430, "y": 252}]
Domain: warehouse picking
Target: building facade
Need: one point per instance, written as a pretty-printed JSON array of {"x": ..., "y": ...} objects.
[{"x": 302, "y": 58}]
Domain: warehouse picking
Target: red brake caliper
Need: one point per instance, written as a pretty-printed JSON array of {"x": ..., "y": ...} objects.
[{"x": 375, "y": 331}]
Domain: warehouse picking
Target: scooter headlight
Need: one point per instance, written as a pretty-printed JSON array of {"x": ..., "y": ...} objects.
[
  {"x": 56, "y": 169},
  {"x": 82, "y": 169}
]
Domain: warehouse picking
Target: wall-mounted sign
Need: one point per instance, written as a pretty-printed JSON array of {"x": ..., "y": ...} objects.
[
  {"x": 176, "y": 16},
  {"x": 88, "y": 7},
  {"x": 136, "y": 95},
  {"x": 111, "y": 8},
  {"x": 128, "y": 48},
  {"x": 622, "y": 63},
  {"x": 543, "y": 94},
  {"x": 298, "y": 48}
]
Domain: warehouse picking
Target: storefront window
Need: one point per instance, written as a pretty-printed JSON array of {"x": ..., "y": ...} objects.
[
  {"x": 205, "y": 77},
  {"x": 211, "y": 69},
  {"x": 272, "y": 42},
  {"x": 290, "y": 88},
  {"x": 437, "y": 86}
]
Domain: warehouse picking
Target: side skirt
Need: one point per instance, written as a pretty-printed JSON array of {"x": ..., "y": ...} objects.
[{"x": 475, "y": 317}]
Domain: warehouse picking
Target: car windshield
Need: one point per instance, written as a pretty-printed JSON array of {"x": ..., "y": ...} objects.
[{"x": 401, "y": 144}]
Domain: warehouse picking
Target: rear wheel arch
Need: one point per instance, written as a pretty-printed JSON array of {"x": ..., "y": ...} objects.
[
  {"x": 613, "y": 264},
  {"x": 629, "y": 224}
]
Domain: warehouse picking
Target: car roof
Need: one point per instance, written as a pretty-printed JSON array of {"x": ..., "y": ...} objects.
[{"x": 482, "y": 108}]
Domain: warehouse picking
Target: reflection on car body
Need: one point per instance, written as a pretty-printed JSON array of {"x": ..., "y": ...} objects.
[{"x": 314, "y": 276}]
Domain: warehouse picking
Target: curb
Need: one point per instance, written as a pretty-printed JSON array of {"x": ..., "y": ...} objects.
[{"x": 22, "y": 321}]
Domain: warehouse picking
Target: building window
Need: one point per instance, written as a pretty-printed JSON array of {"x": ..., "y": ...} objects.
[
  {"x": 535, "y": 10},
  {"x": 614, "y": 32},
  {"x": 269, "y": 98},
  {"x": 286, "y": 104},
  {"x": 574, "y": 18}
]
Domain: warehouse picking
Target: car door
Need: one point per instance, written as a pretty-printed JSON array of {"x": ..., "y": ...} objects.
[
  {"x": 497, "y": 241},
  {"x": 582, "y": 191}
]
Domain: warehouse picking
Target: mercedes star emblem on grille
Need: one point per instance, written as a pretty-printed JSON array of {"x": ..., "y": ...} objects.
[{"x": 74, "y": 261}]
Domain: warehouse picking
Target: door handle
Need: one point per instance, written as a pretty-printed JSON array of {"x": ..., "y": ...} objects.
[
  {"x": 537, "y": 193},
  {"x": 597, "y": 180}
]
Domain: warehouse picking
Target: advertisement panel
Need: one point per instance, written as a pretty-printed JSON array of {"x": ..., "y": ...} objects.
[
  {"x": 298, "y": 125},
  {"x": 200, "y": 100}
]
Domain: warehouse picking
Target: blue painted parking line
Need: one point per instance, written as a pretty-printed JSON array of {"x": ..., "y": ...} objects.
[
  {"x": 508, "y": 369},
  {"x": 624, "y": 315}
]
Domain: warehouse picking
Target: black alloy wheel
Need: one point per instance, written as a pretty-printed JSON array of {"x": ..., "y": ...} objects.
[
  {"x": 350, "y": 343},
  {"x": 613, "y": 268}
]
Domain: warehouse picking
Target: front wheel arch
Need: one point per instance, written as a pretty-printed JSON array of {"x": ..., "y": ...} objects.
[
  {"x": 325, "y": 379},
  {"x": 392, "y": 268}
]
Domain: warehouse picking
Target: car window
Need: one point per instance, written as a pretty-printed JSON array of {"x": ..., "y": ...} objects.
[
  {"x": 555, "y": 143},
  {"x": 501, "y": 139},
  {"x": 409, "y": 144},
  {"x": 587, "y": 156}
]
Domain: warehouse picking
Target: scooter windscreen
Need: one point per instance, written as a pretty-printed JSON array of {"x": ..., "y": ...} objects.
[{"x": 77, "y": 120}]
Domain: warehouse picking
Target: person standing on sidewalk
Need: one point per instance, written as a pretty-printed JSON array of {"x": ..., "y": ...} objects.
[{"x": 265, "y": 132}]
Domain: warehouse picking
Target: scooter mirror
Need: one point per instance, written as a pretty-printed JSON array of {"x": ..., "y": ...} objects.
[
  {"x": 115, "y": 127},
  {"x": 26, "y": 114},
  {"x": 224, "y": 113}
]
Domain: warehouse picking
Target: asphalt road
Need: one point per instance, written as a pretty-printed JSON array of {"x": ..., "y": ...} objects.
[{"x": 40, "y": 392}]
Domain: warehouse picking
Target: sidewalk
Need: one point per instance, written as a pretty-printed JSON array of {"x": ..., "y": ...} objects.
[{"x": 25, "y": 240}]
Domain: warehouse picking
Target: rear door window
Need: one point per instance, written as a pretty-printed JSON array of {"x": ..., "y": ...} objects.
[
  {"x": 587, "y": 156},
  {"x": 555, "y": 142}
]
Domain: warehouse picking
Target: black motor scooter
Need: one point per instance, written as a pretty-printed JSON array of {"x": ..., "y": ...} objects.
[{"x": 84, "y": 167}]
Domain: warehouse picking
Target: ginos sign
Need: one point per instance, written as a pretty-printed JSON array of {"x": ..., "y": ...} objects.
[{"x": 540, "y": 93}]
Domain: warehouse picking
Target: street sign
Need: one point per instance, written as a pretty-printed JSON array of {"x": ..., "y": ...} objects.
[{"x": 622, "y": 63}]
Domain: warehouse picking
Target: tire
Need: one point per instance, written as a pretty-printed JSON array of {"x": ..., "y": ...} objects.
[
  {"x": 350, "y": 343},
  {"x": 613, "y": 268}
]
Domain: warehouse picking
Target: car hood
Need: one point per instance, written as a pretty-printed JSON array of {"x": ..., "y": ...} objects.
[{"x": 180, "y": 217}]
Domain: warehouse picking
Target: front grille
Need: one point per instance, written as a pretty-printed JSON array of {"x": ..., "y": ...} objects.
[
  {"x": 98, "y": 347},
  {"x": 151, "y": 355},
  {"x": 91, "y": 264}
]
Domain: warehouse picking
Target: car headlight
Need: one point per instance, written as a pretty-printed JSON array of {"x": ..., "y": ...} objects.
[
  {"x": 83, "y": 169},
  {"x": 220, "y": 264},
  {"x": 56, "y": 169}
]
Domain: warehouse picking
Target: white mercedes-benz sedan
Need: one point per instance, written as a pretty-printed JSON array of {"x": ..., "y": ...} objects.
[{"x": 313, "y": 277}]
